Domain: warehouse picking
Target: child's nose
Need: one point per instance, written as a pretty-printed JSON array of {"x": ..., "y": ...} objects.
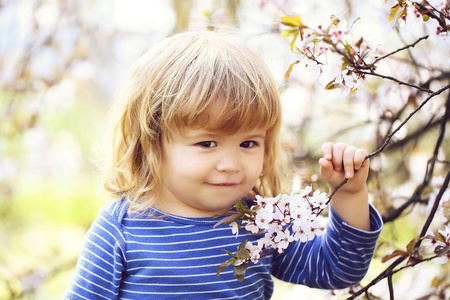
[{"x": 228, "y": 162}]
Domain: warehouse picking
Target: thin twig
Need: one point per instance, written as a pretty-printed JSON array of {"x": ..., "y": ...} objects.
[
  {"x": 431, "y": 14},
  {"x": 389, "y": 271},
  {"x": 372, "y": 73},
  {"x": 434, "y": 208},
  {"x": 414, "y": 135},
  {"x": 400, "y": 49},
  {"x": 331, "y": 195},
  {"x": 391, "y": 134},
  {"x": 415, "y": 263},
  {"x": 388, "y": 138},
  {"x": 391, "y": 287},
  {"x": 381, "y": 276},
  {"x": 417, "y": 195}
]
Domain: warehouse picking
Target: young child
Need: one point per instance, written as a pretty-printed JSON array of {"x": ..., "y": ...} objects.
[{"x": 199, "y": 130}]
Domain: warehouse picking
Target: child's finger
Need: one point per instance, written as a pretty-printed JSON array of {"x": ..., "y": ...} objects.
[
  {"x": 349, "y": 161},
  {"x": 360, "y": 158},
  {"x": 338, "y": 156},
  {"x": 327, "y": 150},
  {"x": 326, "y": 169}
]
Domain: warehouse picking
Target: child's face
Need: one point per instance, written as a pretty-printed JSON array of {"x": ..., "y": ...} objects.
[{"x": 205, "y": 172}]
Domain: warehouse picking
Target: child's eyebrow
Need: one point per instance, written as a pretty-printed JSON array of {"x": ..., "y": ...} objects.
[
  {"x": 212, "y": 135},
  {"x": 200, "y": 134},
  {"x": 257, "y": 136}
]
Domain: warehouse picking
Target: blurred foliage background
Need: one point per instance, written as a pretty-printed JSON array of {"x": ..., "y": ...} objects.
[{"x": 62, "y": 61}]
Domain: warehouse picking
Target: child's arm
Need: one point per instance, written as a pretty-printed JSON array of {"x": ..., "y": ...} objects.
[
  {"x": 341, "y": 256},
  {"x": 350, "y": 202}
]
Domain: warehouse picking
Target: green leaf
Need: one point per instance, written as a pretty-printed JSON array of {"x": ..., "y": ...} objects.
[
  {"x": 393, "y": 254},
  {"x": 410, "y": 246},
  {"x": 229, "y": 262},
  {"x": 225, "y": 213},
  {"x": 335, "y": 20},
  {"x": 425, "y": 17},
  {"x": 240, "y": 207},
  {"x": 292, "y": 43},
  {"x": 348, "y": 48},
  {"x": 435, "y": 282},
  {"x": 351, "y": 26},
  {"x": 242, "y": 252},
  {"x": 402, "y": 13},
  {"x": 332, "y": 85},
  {"x": 243, "y": 211},
  {"x": 229, "y": 253},
  {"x": 289, "y": 32},
  {"x": 359, "y": 42},
  {"x": 291, "y": 67},
  {"x": 328, "y": 41},
  {"x": 394, "y": 10},
  {"x": 228, "y": 220},
  {"x": 239, "y": 271},
  {"x": 293, "y": 21}
]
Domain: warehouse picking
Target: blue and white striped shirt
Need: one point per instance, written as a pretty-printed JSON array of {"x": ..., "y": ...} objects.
[{"x": 129, "y": 256}]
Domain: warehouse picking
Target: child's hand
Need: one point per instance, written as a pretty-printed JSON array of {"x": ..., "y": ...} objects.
[{"x": 342, "y": 161}]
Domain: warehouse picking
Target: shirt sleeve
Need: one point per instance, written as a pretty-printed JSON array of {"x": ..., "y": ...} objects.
[
  {"x": 338, "y": 259},
  {"x": 102, "y": 259}
]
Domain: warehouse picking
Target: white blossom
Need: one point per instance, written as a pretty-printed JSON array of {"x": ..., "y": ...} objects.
[
  {"x": 283, "y": 219},
  {"x": 442, "y": 248},
  {"x": 235, "y": 228},
  {"x": 263, "y": 218},
  {"x": 252, "y": 228},
  {"x": 446, "y": 234}
]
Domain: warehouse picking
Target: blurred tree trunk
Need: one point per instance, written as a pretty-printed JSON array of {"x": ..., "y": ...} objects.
[
  {"x": 182, "y": 9},
  {"x": 232, "y": 7}
]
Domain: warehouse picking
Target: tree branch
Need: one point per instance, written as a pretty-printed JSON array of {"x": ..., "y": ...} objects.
[
  {"x": 417, "y": 193},
  {"x": 391, "y": 134},
  {"x": 372, "y": 73},
  {"x": 400, "y": 49},
  {"x": 414, "y": 135},
  {"x": 434, "y": 208},
  {"x": 416, "y": 196},
  {"x": 389, "y": 271},
  {"x": 435, "y": 155},
  {"x": 391, "y": 287},
  {"x": 431, "y": 14}
]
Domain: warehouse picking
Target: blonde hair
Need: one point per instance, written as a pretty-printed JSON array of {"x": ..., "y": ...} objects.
[{"x": 191, "y": 80}]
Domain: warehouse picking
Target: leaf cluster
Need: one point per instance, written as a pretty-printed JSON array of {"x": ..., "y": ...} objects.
[{"x": 238, "y": 260}]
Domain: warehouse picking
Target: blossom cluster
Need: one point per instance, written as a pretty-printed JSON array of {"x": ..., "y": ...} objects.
[
  {"x": 440, "y": 244},
  {"x": 436, "y": 10},
  {"x": 283, "y": 220},
  {"x": 316, "y": 43}
]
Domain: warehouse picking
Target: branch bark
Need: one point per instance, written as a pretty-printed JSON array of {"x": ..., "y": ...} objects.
[
  {"x": 416, "y": 196},
  {"x": 389, "y": 271},
  {"x": 391, "y": 134},
  {"x": 400, "y": 49}
]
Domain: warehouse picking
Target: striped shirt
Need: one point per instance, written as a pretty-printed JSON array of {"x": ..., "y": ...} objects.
[{"x": 129, "y": 256}]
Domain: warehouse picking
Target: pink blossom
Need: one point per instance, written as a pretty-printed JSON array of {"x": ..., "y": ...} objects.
[
  {"x": 284, "y": 219},
  {"x": 235, "y": 228},
  {"x": 263, "y": 218},
  {"x": 252, "y": 228}
]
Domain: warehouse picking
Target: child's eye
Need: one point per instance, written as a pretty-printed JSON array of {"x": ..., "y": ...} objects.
[
  {"x": 207, "y": 144},
  {"x": 248, "y": 144}
]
